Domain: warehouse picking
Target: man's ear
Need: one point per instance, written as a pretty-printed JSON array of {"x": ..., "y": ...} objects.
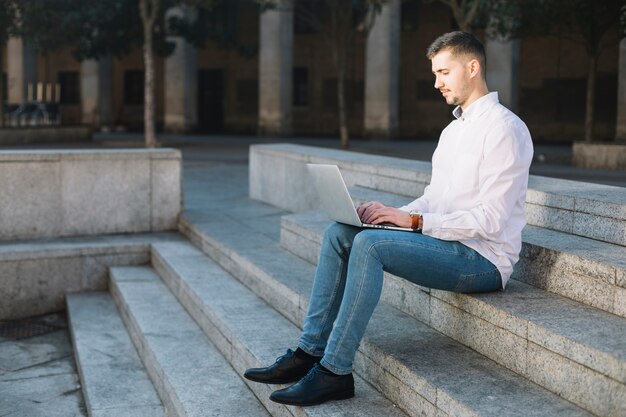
[{"x": 474, "y": 67}]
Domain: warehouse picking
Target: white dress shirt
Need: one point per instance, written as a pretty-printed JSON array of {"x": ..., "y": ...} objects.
[{"x": 478, "y": 186}]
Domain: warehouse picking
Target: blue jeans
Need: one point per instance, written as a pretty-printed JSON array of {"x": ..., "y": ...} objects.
[{"x": 349, "y": 280}]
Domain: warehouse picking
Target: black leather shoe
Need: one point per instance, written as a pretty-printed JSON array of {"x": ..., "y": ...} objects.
[
  {"x": 288, "y": 368},
  {"x": 317, "y": 387}
]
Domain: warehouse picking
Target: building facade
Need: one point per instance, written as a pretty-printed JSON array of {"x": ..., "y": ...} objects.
[{"x": 286, "y": 82}]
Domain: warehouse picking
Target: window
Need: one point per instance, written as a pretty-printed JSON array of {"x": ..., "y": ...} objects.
[
  {"x": 300, "y": 86},
  {"x": 133, "y": 87},
  {"x": 70, "y": 87}
]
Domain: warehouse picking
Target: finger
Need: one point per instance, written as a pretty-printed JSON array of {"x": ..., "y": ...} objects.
[
  {"x": 369, "y": 215},
  {"x": 361, "y": 209},
  {"x": 375, "y": 214}
]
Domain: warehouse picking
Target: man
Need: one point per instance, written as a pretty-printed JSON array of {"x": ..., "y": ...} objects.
[{"x": 471, "y": 217}]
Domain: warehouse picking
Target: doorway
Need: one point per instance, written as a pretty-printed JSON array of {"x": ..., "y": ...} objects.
[{"x": 211, "y": 101}]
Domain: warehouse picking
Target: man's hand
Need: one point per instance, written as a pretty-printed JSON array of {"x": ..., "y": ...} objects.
[{"x": 374, "y": 212}]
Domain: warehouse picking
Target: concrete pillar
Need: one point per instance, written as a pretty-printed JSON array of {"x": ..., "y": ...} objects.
[
  {"x": 620, "y": 128},
  {"x": 96, "y": 85},
  {"x": 276, "y": 70},
  {"x": 503, "y": 70},
  {"x": 21, "y": 69},
  {"x": 382, "y": 74},
  {"x": 181, "y": 81}
]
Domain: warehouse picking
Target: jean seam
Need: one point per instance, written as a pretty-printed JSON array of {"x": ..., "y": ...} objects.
[
  {"x": 358, "y": 296},
  {"x": 420, "y": 245},
  {"x": 318, "y": 336},
  {"x": 464, "y": 278}
]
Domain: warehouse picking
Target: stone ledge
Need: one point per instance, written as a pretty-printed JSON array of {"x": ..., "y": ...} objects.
[
  {"x": 35, "y": 276},
  {"x": 278, "y": 176},
  {"x": 586, "y": 270},
  {"x": 502, "y": 325},
  {"x": 86, "y": 154},
  {"x": 389, "y": 357},
  {"x": 599, "y": 155},
  {"x": 47, "y": 194},
  {"x": 111, "y": 373},
  {"x": 190, "y": 377},
  {"x": 44, "y": 134}
]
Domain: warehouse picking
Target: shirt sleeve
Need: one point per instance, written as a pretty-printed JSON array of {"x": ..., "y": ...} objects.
[
  {"x": 420, "y": 204},
  {"x": 503, "y": 178}
]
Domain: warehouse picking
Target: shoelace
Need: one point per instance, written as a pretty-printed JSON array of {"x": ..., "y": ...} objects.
[
  {"x": 289, "y": 354},
  {"x": 309, "y": 376}
]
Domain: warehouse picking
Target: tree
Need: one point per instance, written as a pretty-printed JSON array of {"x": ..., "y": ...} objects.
[
  {"x": 338, "y": 22},
  {"x": 149, "y": 10},
  {"x": 116, "y": 27},
  {"x": 8, "y": 18},
  {"x": 464, "y": 12},
  {"x": 593, "y": 24}
]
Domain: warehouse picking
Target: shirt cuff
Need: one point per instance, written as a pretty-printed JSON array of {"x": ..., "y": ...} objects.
[{"x": 431, "y": 224}]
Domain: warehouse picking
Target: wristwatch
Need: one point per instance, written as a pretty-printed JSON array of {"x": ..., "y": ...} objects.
[{"x": 416, "y": 219}]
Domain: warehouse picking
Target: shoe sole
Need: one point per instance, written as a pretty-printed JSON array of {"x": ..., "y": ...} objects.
[
  {"x": 344, "y": 395},
  {"x": 282, "y": 381}
]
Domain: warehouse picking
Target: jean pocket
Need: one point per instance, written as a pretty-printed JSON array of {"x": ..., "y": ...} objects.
[{"x": 482, "y": 282}]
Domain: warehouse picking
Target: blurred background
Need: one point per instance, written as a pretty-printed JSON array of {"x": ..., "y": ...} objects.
[{"x": 342, "y": 68}]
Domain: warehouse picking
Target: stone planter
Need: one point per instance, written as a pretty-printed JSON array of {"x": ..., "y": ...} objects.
[{"x": 599, "y": 155}]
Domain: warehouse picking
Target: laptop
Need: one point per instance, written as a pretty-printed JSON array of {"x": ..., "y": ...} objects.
[{"x": 336, "y": 199}]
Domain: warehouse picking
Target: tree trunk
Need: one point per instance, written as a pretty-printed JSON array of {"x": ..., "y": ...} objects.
[
  {"x": 591, "y": 97},
  {"x": 148, "y": 11},
  {"x": 341, "y": 101},
  {"x": 1, "y": 88}
]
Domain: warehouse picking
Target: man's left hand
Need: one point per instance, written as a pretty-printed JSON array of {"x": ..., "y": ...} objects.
[{"x": 388, "y": 215}]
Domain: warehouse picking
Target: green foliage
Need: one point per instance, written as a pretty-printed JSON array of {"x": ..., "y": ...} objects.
[
  {"x": 8, "y": 19},
  {"x": 102, "y": 27},
  {"x": 215, "y": 21},
  {"x": 590, "y": 22}
]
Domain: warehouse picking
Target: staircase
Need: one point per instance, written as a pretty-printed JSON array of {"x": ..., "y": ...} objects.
[{"x": 173, "y": 337}]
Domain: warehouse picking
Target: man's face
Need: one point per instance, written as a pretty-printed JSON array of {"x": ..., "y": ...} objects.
[{"x": 452, "y": 78}]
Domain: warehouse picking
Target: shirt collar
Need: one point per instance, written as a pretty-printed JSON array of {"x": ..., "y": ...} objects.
[{"x": 476, "y": 108}]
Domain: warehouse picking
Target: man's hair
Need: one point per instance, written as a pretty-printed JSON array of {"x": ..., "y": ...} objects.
[{"x": 459, "y": 44}]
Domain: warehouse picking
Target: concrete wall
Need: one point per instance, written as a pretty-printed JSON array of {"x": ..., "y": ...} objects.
[
  {"x": 47, "y": 194},
  {"x": 600, "y": 155},
  {"x": 36, "y": 276},
  {"x": 41, "y": 134},
  {"x": 278, "y": 176}
]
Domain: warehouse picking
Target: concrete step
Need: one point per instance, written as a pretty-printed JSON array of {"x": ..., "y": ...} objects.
[
  {"x": 526, "y": 329},
  {"x": 580, "y": 268},
  {"x": 278, "y": 176},
  {"x": 190, "y": 375},
  {"x": 37, "y": 274},
  {"x": 418, "y": 368},
  {"x": 113, "y": 379},
  {"x": 247, "y": 331}
]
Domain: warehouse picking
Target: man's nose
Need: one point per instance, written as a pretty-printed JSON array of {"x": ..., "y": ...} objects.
[{"x": 438, "y": 83}]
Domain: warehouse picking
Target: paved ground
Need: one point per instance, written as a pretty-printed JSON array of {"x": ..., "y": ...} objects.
[
  {"x": 38, "y": 375},
  {"x": 551, "y": 160}
]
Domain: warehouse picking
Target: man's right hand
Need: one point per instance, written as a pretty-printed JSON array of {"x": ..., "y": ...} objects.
[{"x": 365, "y": 210}]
